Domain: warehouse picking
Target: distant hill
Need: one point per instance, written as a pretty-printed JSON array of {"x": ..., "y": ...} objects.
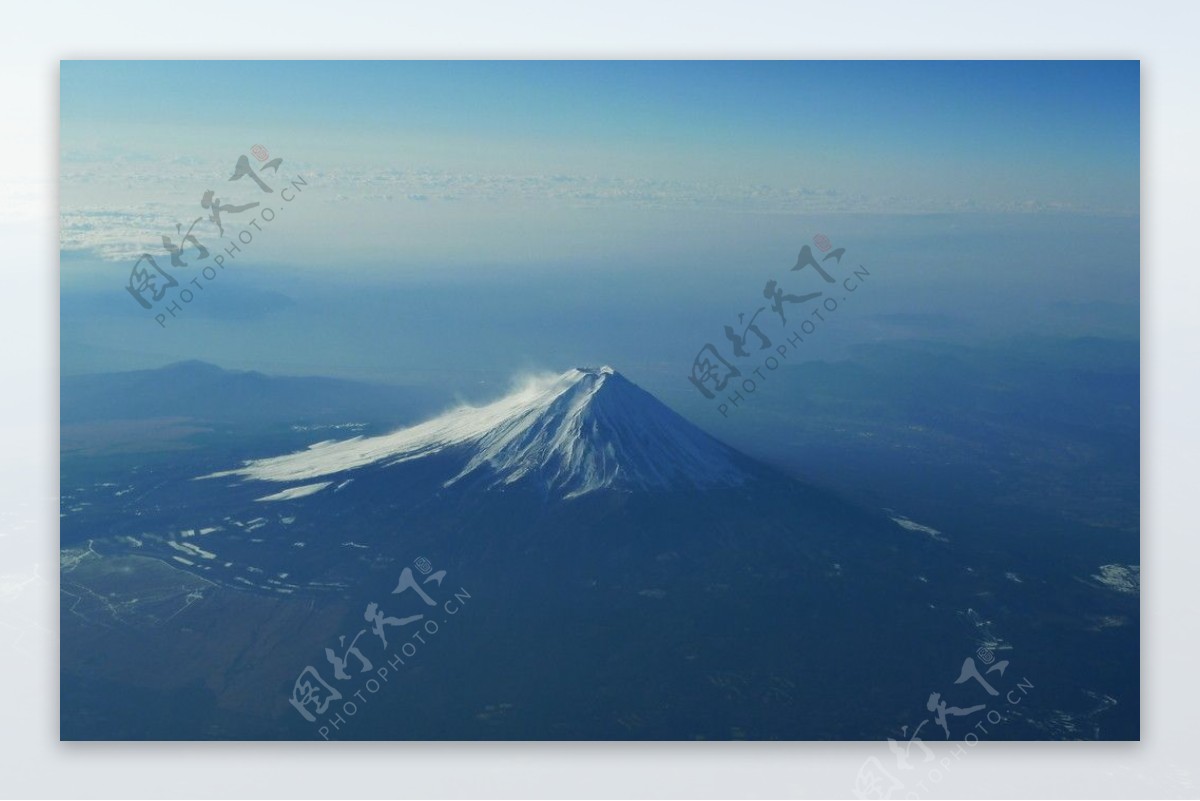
[{"x": 206, "y": 393}]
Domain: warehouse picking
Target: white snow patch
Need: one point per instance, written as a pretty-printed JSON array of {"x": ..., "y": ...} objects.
[
  {"x": 191, "y": 550},
  {"x": 911, "y": 525},
  {"x": 1122, "y": 578},
  {"x": 291, "y": 493}
]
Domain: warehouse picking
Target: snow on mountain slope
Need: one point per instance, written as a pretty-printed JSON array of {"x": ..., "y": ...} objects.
[{"x": 585, "y": 430}]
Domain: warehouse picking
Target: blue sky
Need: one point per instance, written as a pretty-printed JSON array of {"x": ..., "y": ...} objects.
[
  {"x": 916, "y": 106},
  {"x": 925, "y": 132}
]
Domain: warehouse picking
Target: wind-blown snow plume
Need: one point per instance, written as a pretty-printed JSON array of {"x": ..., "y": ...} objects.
[{"x": 585, "y": 430}]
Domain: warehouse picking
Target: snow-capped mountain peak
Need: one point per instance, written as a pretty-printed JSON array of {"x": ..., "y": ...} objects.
[{"x": 585, "y": 430}]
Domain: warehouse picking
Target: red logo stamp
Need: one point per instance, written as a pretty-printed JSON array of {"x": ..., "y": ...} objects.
[
  {"x": 822, "y": 242},
  {"x": 260, "y": 152}
]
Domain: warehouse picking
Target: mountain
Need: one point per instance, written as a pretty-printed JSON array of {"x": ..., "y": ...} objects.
[
  {"x": 625, "y": 575},
  {"x": 595, "y": 567},
  {"x": 586, "y": 430}
]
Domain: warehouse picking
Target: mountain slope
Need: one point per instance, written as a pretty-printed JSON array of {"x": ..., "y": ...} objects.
[{"x": 585, "y": 430}]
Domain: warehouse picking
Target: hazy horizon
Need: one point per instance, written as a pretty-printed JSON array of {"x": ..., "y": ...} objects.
[{"x": 515, "y": 215}]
